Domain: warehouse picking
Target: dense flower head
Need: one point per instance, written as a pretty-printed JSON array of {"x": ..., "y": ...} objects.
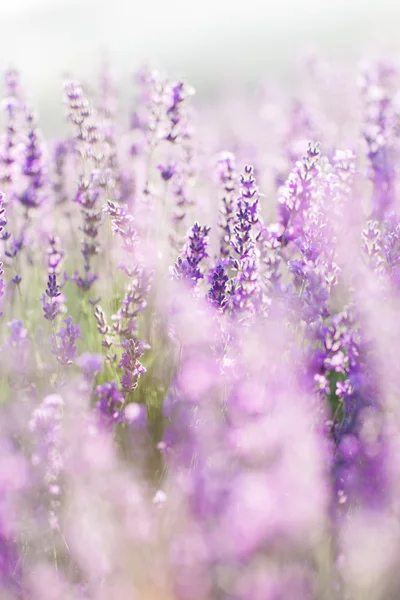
[
  {"x": 194, "y": 251},
  {"x": 218, "y": 293}
]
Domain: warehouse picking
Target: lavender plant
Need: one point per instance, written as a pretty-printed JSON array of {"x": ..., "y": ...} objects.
[{"x": 210, "y": 416}]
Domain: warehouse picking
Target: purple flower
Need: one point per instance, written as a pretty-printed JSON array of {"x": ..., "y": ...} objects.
[
  {"x": 16, "y": 245},
  {"x": 34, "y": 167},
  {"x": 187, "y": 265},
  {"x": 295, "y": 195},
  {"x": 380, "y": 132},
  {"x": 16, "y": 347},
  {"x": 122, "y": 224},
  {"x": 78, "y": 105},
  {"x": 54, "y": 254},
  {"x": 12, "y": 107},
  {"x": 51, "y": 309},
  {"x": 111, "y": 402},
  {"x": 46, "y": 425},
  {"x": 3, "y": 223},
  {"x": 91, "y": 364},
  {"x": 227, "y": 178},
  {"x": 246, "y": 291},
  {"x": 218, "y": 293},
  {"x": 131, "y": 365},
  {"x": 125, "y": 321},
  {"x": 65, "y": 349},
  {"x": 3, "y": 218},
  {"x": 61, "y": 150},
  {"x": 84, "y": 283},
  {"x": 167, "y": 171}
]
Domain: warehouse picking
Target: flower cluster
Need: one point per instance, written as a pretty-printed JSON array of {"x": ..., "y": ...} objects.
[{"x": 194, "y": 251}]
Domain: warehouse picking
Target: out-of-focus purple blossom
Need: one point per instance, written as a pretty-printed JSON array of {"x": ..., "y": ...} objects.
[
  {"x": 64, "y": 345},
  {"x": 2, "y": 287},
  {"x": 60, "y": 154},
  {"x": 15, "y": 246},
  {"x": 122, "y": 224},
  {"x": 111, "y": 402},
  {"x": 12, "y": 107},
  {"x": 246, "y": 294},
  {"x": 3, "y": 223},
  {"x": 372, "y": 245},
  {"x": 54, "y": 254},
  {"x": 16, "y": 352},
  {"x": 84, "y": 283},
  {"x": 135, "y": 415},
  {"x": 18, "y": 333},
  {"x": 379, "y": 132},
  {"x": 14, "y": 481},
  {"x": 167, "y": 171},
  {"x": 34, "y": 167},
  {"x": 3, "y": 218},
  {"x": 95, "y": 177},
  {"x": 296, "y": 193},
  {"x": 77, "y": 103},
  {"x": 46, "y": 426},
  {"x": 227, "y": 177},
  {"x": 386, "y": 250},
  {"x": 91, "y": 364},
  {"x": 16, "y": 279},
  {"x": 181, "y": 185}
]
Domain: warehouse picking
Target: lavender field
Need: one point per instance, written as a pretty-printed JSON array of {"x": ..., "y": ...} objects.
[{"x": 200, "y": 339}]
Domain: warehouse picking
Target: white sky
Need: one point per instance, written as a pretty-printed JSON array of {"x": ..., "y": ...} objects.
[
  {"x": 18, "y": 6},
  {"x": 201, "y": 39}
]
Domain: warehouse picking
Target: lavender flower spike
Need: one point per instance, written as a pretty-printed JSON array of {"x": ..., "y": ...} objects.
[
  {"x": 3, "y": 222},
  {"x": 66, "y": 350},
  {"x": 131, "y": 364},
  {"x": 187, "y": 265},
  {"x": 228, "y": 180},
  {"x": 51, "y": 309}
]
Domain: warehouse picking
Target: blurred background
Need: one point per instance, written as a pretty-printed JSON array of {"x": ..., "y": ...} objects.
[{"x": 205, "y": 41}]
